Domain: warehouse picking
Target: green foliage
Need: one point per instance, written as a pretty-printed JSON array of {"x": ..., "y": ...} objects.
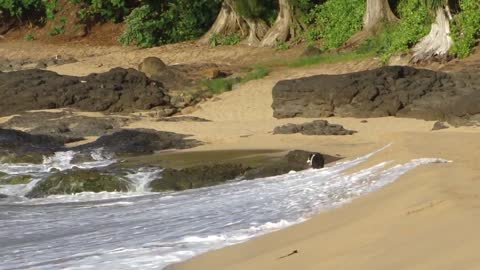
[
  {"x": 329, "y": 58},
  {"x": 58, "y": 29},
  {"x": 282, "y": 46},
  {"x": 29, "y": 37},
  {"x": 415, "y": 20},
  {"x": 19, "y": 8},
  {"x": 161, "y": 22},
  {"x": 221, "y": 85},
  {"x": 50, "y": 6},
  {"x": 105, "y": 10},
  {"x": 466, "y": 29},
  {"x": 217, "y": 40},
  {"x": 335, "y": 21}
]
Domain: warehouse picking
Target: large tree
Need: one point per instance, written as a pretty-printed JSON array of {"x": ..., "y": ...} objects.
[
  {"x": 243, "y": 17},
  {"x": 287, "y": 25},
  {"x": 377, "y": 13},
  {"x": 228, "y": 22},
  {"x": 438, "y": 42}
]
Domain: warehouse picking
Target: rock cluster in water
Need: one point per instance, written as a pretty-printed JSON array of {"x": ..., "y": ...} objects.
[{"x": 387, "y": 91}]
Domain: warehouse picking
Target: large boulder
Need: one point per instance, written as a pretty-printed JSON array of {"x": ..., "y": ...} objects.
[
  {"x": 118, "y": 90},
  {"x": 317, "y": 127},
  {"x": 387, "y": 91},
  {"x": 76, "y": 181},
  {"x": 197, "y": 177}
]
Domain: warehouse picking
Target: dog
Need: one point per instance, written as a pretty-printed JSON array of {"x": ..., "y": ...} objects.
[{"x": 315, "y": 161}]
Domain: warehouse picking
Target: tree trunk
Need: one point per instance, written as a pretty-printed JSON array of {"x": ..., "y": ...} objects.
[
  {"x": 378, "y": 11},
  {"x": 286, "y": 26},
  {"x": 257, "y": 30},
  {"x": 228, "y": 22},
  {"x": 437, "y": 43}
]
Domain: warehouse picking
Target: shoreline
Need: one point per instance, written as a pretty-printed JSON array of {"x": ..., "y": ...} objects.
[{"x": 409, "y": 208}]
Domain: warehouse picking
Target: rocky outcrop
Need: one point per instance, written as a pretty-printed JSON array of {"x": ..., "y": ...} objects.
[
  {"x": 197, "y": 177},
  {"x": 129, "y": 142},
  {"x": 387, "y": 91},
  {"x": 295, "y": 160},
  {"x": 64, "y": 125},
  {"x": 214, "y": 174},
  {"x": 20, "y": 147},
  {"x": 317, "y": 127},
  {"x": 118, "y": 90},
  {"x": 76, "y": 181},
  {"x": 439, "y": 125}
]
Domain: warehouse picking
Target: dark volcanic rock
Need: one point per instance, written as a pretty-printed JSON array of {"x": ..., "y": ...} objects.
[
  {"x": 20, "y": 147},
  {"x": 386, "y": 91},
  {"x": 197, "y": 177},
  {"x": 317, "y": 127},
  {"x": 139, "y": 142},
  {"x": 439, "y": 125},
  {"x": 295, "y": 160},
  {"x": 15, "y": 180},
  {"x": 65, "y": 126},
  {"x": 118, "y": 90},
  {"x": 76, "y": 181}
]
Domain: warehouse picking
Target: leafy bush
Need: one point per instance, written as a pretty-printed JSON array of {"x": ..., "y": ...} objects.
[
  {"x": 335, "y": 21},
  {"x": 105, "y": 10},
  {"x": 19, "y": 8},
  {"x": 415, "y": 20},
  {"x": 466, "y": 30},
  {"x": 162, "y": 22},
  {"x": 29, "y": 37},
  {"x": 58, "y": 29}
]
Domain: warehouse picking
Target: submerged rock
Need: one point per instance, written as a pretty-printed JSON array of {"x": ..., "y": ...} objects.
[
  {"x": 16, "y": 180},
  {"x": 3, "y": 196},
  {"x": 197, "y": 177},
  {"x": 317, "y": 127},
  {"x": 76, "y": 181}
]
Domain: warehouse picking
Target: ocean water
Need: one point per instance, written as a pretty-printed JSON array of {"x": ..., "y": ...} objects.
[{"x": 145, "y": 230}]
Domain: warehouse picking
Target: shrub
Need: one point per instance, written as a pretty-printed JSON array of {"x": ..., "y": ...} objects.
[
  {"x": 335, "y": 21},
  {"x": 217, "y": 40},
  {"x": 19, "y": 8},
  {"x": 466, "y": 29},
  {"x": 29, "y": 37},
  {"x": 162, "y": 22},
  {"x": 105, "y": 10}
]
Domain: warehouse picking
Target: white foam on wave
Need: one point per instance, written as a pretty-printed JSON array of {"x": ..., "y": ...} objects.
[
  {"x": 59, "y": 161},
  {"x": 151, "y": 232}
]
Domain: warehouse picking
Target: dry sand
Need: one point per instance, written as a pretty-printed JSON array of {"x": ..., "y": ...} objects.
[{"x": 426, "y": 220}]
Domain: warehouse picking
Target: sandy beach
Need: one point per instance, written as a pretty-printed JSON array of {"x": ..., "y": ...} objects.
[{"x": 425, "y": 220}]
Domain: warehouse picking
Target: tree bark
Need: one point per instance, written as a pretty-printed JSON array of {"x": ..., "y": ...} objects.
[
  {"x": 437, "y": 43},
  {"x": 228, "y": 22},
  {"x": 286, "y": 26},
  {"x": 257, "y": 30},
  {"x": 378, "y": 12}
]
